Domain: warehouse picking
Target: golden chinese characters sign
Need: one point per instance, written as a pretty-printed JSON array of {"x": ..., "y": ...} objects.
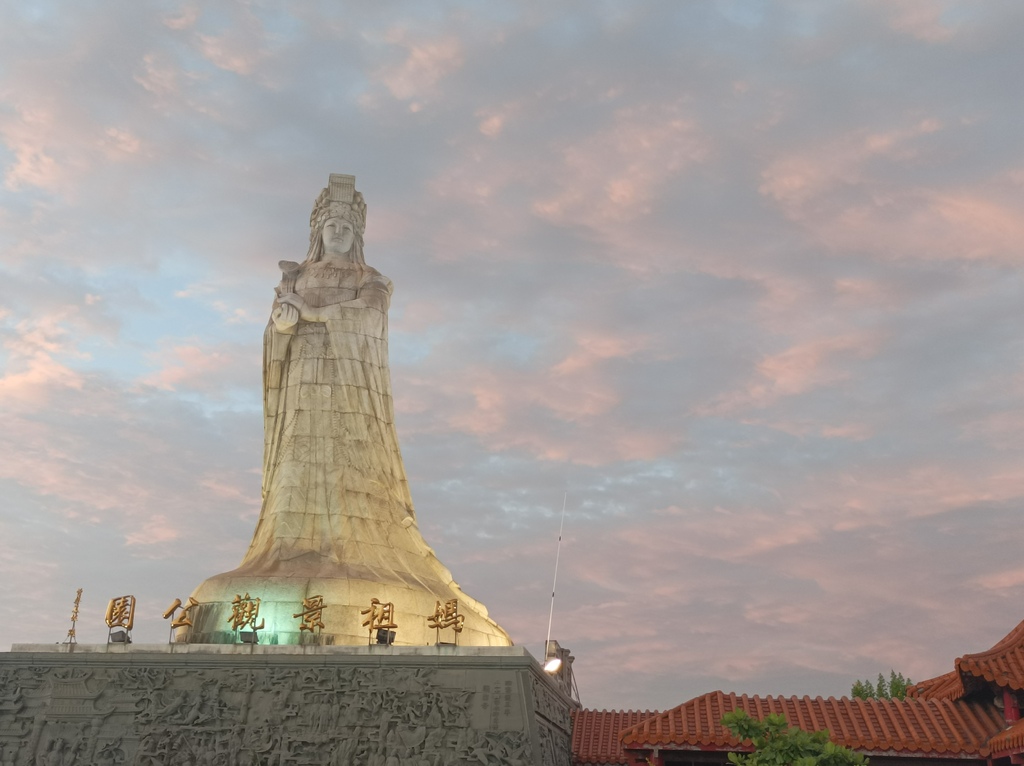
[
  {"x": 312, "y": 613},
  {"x": 381, "y": 616},
  {"x": 121, "y": 612},
  {"x": 244, "y": 611},
  {"x": 184, "y": 619},
  {"x": 446, "y": 616}
]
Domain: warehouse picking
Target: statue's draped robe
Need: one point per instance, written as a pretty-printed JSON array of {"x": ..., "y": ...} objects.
[
  {"x": 335, "y": 493},
  {"x": 333, "y": 477},
  {"x": 337, "y": 516}
]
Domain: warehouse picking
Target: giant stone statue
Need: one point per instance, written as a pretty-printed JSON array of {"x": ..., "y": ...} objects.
[{"x": 337, "y": 519}]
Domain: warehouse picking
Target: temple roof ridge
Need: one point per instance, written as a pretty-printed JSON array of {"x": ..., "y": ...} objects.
[
  {"x": 922, "y": 726},
  {"x": 1003, "y": 664}
]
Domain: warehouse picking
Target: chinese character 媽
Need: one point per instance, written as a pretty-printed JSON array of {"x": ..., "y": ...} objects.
[{"x": 446, "y": 616}]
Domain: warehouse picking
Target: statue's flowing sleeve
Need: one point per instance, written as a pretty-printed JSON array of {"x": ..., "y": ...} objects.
[{"x": 275, "y": 355}]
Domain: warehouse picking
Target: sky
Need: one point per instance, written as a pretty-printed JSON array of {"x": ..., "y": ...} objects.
[{"x": 741, "y": 282}]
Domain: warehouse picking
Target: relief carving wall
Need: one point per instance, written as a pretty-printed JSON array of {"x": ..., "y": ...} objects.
[{"x": 160, "y": 710}]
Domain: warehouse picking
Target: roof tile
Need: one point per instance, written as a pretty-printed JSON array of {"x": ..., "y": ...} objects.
[
  {"x": 1003, "y": 664},
  {"x": 913, "y": 726},
  {"x": 595, "y": 735},
  {"x": 1008, "y": 742},
  {"x": 945, "y": 687}
]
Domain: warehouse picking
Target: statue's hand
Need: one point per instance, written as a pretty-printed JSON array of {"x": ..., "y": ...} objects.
[
  {"x": 285, "y": 317},
  {"x": 306, "y": 312}
]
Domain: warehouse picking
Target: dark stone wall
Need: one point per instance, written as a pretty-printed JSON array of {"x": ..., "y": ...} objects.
[{"x": 233, "y": 706}]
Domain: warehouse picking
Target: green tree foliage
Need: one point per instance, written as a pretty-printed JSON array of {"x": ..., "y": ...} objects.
[
  {"x": 893, "y": 689},
  {"x": 777, "y": 744}
]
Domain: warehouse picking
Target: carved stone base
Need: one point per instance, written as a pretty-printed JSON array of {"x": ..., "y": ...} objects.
[{"x": 234, "y": 705}]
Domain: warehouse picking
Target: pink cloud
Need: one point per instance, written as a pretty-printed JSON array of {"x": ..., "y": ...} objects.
[
  {"x": 198, "y": 367},
  {"x": 922, "y": 19},
  {"x": 158, "y": 76},
  {"x": 860, "y": 293},
  {"x": 1002, "y": 580},
  {"x": 29, "y": 387},
  {"x": 596, "y": 348},
  {"x": 613, "y": 176},
  {"x": 25, "y": 134},
  {"x": 427, "y": 62},
  {"x": 156, "y": 530},
  {"x": 117, "y": 143},
  {"x": 54, "y": 146},
  {"x": 1000, "y": 430},
  {"x": 185, "y": 20},
  {"x": 35, "y": 368},
  {"x": 504, "y": 416},
  {"x": 56, "y": 464},
  {"x": 729, "y": 535},
  {"x": 233, "y": 52},
  {"x": 227, "y": 487},
  {"x": 512, "y": 408},
  {"x": 602, "y": 184},
  {"x": 834, "y": 192},
  {"x": 784, "y": 613},
  {"x": 807, "y": 366},
  {"x": 797, "y": 179},
  {"x": 238, "y": 49},
  {"x": 493, "y": 119}
]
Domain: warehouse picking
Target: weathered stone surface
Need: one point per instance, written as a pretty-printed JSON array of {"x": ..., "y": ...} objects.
[
  {"x": 337, "y": 518},
  {"x": 231, "y": 705}
]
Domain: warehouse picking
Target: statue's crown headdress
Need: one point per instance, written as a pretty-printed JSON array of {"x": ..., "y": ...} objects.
[{"x": 339, "y": 200}]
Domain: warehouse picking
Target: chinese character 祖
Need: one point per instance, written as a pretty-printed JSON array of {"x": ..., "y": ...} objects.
[
  {"x": 446, "y": 616},
  {"x": 183, "y": 620},
  {"x": 244, "y": 611},
  {"x": 381, "y": 616},
  {"x": 121, "y": 612},
  {"x": 312, "y": 613}
]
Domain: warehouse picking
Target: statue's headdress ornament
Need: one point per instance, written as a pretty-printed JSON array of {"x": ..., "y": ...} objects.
[{"x": 339, "y": 200}]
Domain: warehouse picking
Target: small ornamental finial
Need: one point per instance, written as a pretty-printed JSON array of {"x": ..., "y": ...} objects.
[{"x": 72, "y": 639}]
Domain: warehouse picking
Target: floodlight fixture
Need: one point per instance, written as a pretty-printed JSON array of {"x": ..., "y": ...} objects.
[
  {"x": 385, "y": 637},
  {"x": 553, "y": 656},
  {"x": 249, "y": 637}
]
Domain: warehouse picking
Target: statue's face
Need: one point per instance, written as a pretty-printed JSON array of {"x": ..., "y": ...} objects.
[{"x": 338, "y": 237}]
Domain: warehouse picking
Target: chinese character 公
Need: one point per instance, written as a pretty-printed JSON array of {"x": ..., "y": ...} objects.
[{"x": 184, "y": 619}]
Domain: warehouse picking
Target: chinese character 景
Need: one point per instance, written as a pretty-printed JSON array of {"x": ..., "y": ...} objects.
[{"x": 312, "y": 613}]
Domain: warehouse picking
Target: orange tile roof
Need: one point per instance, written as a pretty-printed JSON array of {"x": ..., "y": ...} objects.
[
  {"x": 1003, "y": 664},
  {"x": 913, "y": 726},
  {"x": 1008, "y": 742},
  {"x": 948, "y": 686},
  {"x": 595, "y": 734}
]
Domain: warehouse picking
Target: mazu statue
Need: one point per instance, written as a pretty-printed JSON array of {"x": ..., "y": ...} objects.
[{"x": 337, "y": 520}]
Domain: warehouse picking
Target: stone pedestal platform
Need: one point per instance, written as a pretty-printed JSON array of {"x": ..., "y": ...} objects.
[{"x": 238, "y": 705}]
